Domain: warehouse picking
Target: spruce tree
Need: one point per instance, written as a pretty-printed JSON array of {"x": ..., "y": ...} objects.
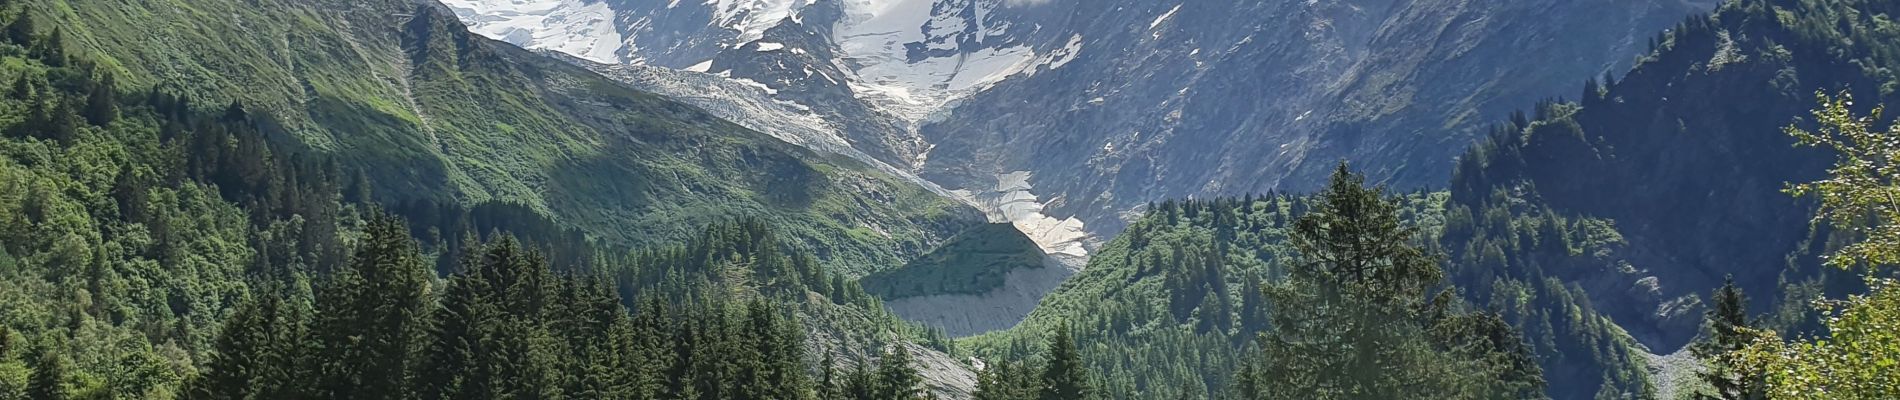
[
  {"x": 651, "y": 351},
  {"x": 517, "y": 362},
  {"x": 1356, "y": 238},
  {"x": 1351, "y": 319},
  {"x": 1727, "y": 331},
  {"x": 1064, "y": 378},
  {"x": 755, "y": 378},
  {"x": 777, "y": 340},
  {"x": 601, "y": 358},
  {"x": 448, "y": 369},
  {"x": 861, "y": 384},
  {"x": 896, "y": 378},
  {"x": 371, "y": 316},
  {"x": 8, "y": 346},
  {"x": 829, "y": 387},
  {"x": 1005, "y": 380},
  {"x": 252, "y": 357},
  {"x": 102, "y": 104},
  {"x": 22, "y": 31},
  {"x": 48, "y": 380}
]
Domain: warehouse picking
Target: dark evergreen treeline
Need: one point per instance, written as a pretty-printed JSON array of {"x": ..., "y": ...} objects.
[
  {"x": 1058, "y": 375},
  {"x": 506, "y": 326}
]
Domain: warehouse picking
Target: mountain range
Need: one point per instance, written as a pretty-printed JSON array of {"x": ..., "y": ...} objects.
[
  {"x": 1087, "y": 97},
  {"x": 874, "y": 199}
]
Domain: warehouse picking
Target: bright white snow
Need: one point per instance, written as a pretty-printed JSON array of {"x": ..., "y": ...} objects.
[
  {"x": 752, "y": 17},
  {"x": 579, "y": 28},
  {"x": 1164, "y": 17},
  {"x": 874, "y": 34},
  {"x": 703, "y": 66},
  {"x": 1012, "y": 201}
]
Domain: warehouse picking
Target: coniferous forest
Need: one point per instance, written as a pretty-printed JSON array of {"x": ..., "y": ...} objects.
[{"x": 161, "y": 238}]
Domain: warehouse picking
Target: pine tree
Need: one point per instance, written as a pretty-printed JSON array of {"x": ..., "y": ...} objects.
[
  {"x": 652, "y": 354},
  {"x": 861, "y": 384},
  {"x": 518, "y": 365},
  {"x": 1356, "y": 237},
  {"x": 8, "y": 346},
  {"x": 829, "y": 387},
  {"x": 48, "y": 380},
  {"x": 448, "y": 369},
  {"x": 1064, "y": 378},
  {"x": 22, "y": 31},
  {"x": 102, "y": 104},
  {"x": 1006, "y": 381},
  {"x": 252, "y": 359},
  {"x": 372, "y": 316},
  {"x": 896, "y": 379},
  {"x": 1350, "y": 320},
  {"x": 1727, "y": 332}
]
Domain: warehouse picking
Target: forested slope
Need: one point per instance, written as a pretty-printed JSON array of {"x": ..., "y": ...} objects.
[
  {"x": 154, "y": 244},
  {"x": 1166, "y": 309},
  {"x": 1646, "y": 192},
  {"x": 1595, "y": 226},
  {"x": 402, "y": 91}
]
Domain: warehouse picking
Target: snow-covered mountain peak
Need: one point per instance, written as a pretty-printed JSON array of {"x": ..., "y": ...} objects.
[
  {"x": 911, "y": 58},
  {"x": 852, "y": 77}
]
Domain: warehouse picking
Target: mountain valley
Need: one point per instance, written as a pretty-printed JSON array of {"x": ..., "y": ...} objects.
[{"x": 949, "y": 199}]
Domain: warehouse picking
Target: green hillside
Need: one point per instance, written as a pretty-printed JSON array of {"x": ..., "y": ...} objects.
[
  {"x": 433, "y": 113},
  {"x": 151, "y": 250},
  {"x": 1596, "y": 227},
  {"x": 1166, "y": 309}
]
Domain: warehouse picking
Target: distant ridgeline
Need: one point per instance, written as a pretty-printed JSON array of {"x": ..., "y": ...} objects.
[
  {"x": 156, "y": 245},
  {"x": 1595, "y": 227}
]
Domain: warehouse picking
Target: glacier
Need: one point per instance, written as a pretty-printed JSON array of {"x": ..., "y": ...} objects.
[{"x": 910, "y": 61}]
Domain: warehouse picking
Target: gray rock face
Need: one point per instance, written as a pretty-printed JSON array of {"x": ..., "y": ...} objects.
[
  {"x": 961, "y": 315},
  {"x": 1201, "y": 98},
  {"x": 1113, "y": 103}
]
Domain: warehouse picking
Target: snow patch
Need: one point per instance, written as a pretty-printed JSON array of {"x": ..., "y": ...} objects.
[
  {"x": 874, "y": 35},
  {"x": 748, "y": 82},
  {"x": 703, "y": 66},
  {"x": 752, "y": 17},
  {"x": 580, "y": 28},
  {"x": 1012, "y": 201},
  {"x": 1164, "y": 17},
  {"x": 770, "y": 46}
]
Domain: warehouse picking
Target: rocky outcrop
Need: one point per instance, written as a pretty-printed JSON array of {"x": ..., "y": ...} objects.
[{"x": 960, "y": 315}]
